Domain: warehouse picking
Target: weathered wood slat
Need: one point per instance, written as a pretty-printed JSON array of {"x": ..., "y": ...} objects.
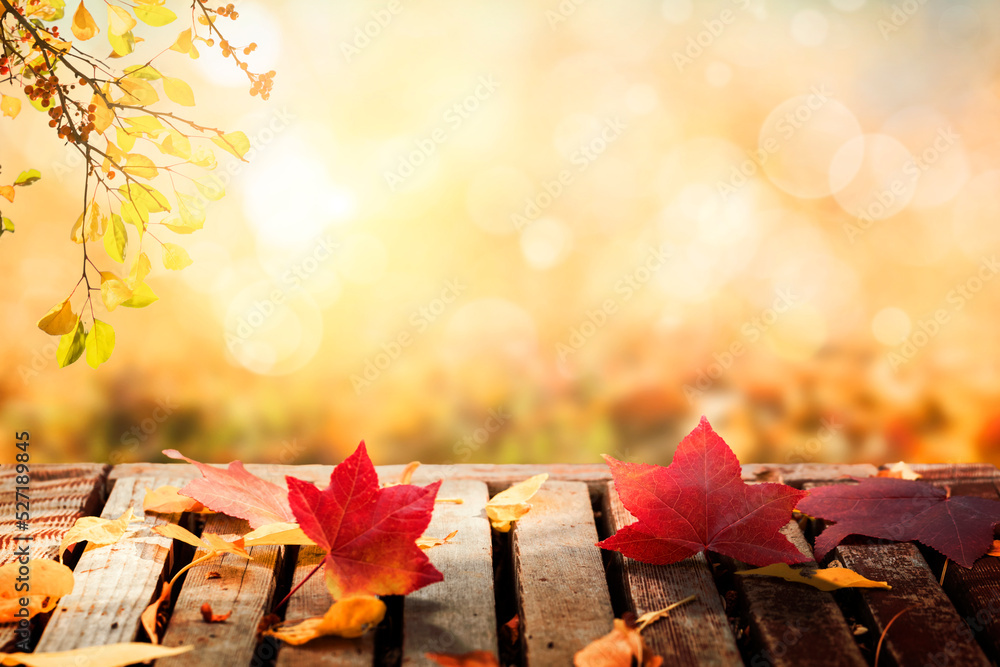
[
  {"x": 798, "y": 474},
  {"x": 244, "y": 587},
  {"x": 41, "y": 472},
  {"x": 697, "y": 633},
  {"x": 456, "y": 615},
  {"x": 113, "y": 583},
  {"x": 942, "y": 471},
  {"x": 794, "y": 624},
  {"x": 313, "y": 600},
  {"x": 562, "y": 591}
]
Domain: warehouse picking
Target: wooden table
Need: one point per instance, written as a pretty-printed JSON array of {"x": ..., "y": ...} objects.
[{"x": 546, "y": 570}]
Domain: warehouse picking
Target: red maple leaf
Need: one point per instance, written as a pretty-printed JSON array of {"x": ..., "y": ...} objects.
[
  {"x": 960, "y": 527},
  {"x": 237, "y": 492},
  {"x": 701, "y": 502},
  {"x": 369, "y": 532}
]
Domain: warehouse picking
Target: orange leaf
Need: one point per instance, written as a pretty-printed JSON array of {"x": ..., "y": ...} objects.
[
  {"x": 470, "y": 659},
  {"x": 621, "y": 647},
  {"x": 148, "y": 616},
  {"x": 995, "y": 549},
  {"x": 212, "y": 617},
  {"x": 7, "y": 192},
  {"x": 167, "y": 500}
]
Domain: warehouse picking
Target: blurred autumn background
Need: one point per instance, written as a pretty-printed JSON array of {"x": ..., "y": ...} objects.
[{"x": 539, "y": 231}]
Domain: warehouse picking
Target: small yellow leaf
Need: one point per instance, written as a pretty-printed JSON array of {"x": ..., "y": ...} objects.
[
  {"x": 426, "y": 543},
  {"x": 60, "y": 320},
  {"x": 114, "y": 291},
  {"x": 208, "y": 541},
  {"x": 97, "y": 531},
  {"x": 106, "y": 655},
  {"x": 120, "y": 21},
  {"x": 138, "y": 92},
  {"x": 84, "y": 26},
  {"x": 167, "y": 500},
  {"x": 178, "y": 91},
  {"x": 140, "y": 166},
  {"x": 828, "y": 579},
  {"x": 100, "y": 343},
  {"x": 139, "y": 271},
  {"x": 116, "y": 239},
  {"x": 622, "y": 646},
  {"x": 10, "y": 106},
  {"x": 7, "y": 192},
  {"x": 154, "y": 15},
  {"x": 175, "y": 257},
  {"x": 348, "y": 617},
  {"x": 234, "y": 142},
  {"x": 510, "y": 505},
  {"x": 277, "y": 533},
  {"x": 142, "y": 296},
  {"x": 70, "y": 346},
  {"x": 94, "y": 228},
  {"x": 49, "y": 582}
]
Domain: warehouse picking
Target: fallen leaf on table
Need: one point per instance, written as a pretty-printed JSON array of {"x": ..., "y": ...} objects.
[
  {"x": 512, "y": 629},
  {"x": 106, "y": 655},
  {"x": 236, "y": 492},
  {"x": 168, "y": 500},
  {"x": 97, "y": 532},
  {"x": 369, "y": 533},
  {"x": 898, "y": 470},
  {"x": 622, "y": 647},
  {"x": 208, "y": 541},
  {"x": 426, "y": 543},
  {"x": 699, "y": 502},
  {"x": 149, "y": 614},
  {"x": 213, "y": 575},
  {"x": 828, "y": 579},
  {"x": 350, "y": 617},
  {"x": 960, "y": 527},
  {"x": 49, "y": 582},
  {"x": 210, "y": 616},
  {"x": 407, "y": 474},
  {"x": 470, "y": 659},
  {"x": 277, "y": 533},
  {"x": 508, "y": 506}
]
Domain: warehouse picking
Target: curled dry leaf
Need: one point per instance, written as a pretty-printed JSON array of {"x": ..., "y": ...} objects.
[
  {"x": 508, "y": 506},
  {"x": 213, "y": 575},
  {"x": 106, "y": 655},
  {"x": 470, "y": 659},
  {"x": 829, "y": 579},
  {"x": 149, "y": 614},
  {"x": 277, "y": 533},
  {"x": 96, "y": 531},
  {"x": 350, "y": 617},
  {"x": 211, "y": 617},
  {"x": 512, "y": 630},
  {"x": 49, "y": 582},
  {"x": 898, "y": 470},
  {"x": 168, "y": 500},
  {"x": 426, "y": 543},
  {"x": 622, "y": 647}
]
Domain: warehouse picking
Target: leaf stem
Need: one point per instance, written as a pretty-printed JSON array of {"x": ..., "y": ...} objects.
[{"x": 297, "y": 587}]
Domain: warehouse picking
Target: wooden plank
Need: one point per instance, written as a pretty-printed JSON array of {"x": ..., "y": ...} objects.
[
  {"x": 794, "y": 624},
  {"x": 798, "y": 474},
  {"x": 313, "y": 600},
  {"x": 696, "y": 633},
  {"x": 45, "y": 471},
  {"x": 456, "y": 615},
  {"x": 245, "y": 587},
  {"x": 113, "y": 583},
  {"x": 562, "y": 592},
  {"x": 942, "y": 471}
]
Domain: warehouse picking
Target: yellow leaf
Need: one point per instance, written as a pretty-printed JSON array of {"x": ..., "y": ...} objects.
[
  {"x": 176, "y": 144},
  {"x": 139, "y": 271},
  {"x": 49, "y": 582},
  {"x": 348, "y": 617},
  {"x": 829, "y": 579},
  {"x": 70, "y": 346},
  {"x": 102, "y": 114},
  {"x": 183, "y": 44},
  {"x": 60, "y": 320},
  {"x": 84, "y": 26},
  {"x": 208, "y": 541},
  {"x": 97, "y": 531},
  {"x": 94, "y": 229},
  {"x": 138, "y": 92},
  {"x": 7, "y": 192},
  {"x": 510, "y": 505},
  {"x": 10, "y": 106},
  {"x": 426, "y": 543},
  {"x": 234, "y": 142},
  {"x": 116, "y": 239},
  {"x": 122, "y": 45},
  {"x": 178, "y": 91},
  {"x": 119, "y": 20},
  {"x": 114, "y": 291},
  {"x": 100, "y": 343},
  {"x": 168, "y": 500},
  {"x": 175, "y": 257},
  {"x": 622, "y": 646},
  {"x": 146, "y": 196},
  {"x": 154, "y": 16},
  {"x": 106, "y": 655},
  {"x": 142, "y": 296},
  {"x": 277, "y": 533},
  {"x": 140, "y": 166}
]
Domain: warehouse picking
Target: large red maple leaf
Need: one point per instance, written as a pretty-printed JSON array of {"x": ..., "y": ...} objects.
[
  {"x": 369, "y": 532},
  {"x": 701, "y": 502},
  {"x": 960, "y": 527}
]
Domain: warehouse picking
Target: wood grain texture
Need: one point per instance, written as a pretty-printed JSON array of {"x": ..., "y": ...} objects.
[
  {"x": 942, "y": 471},
  {"x": 562, "y": 591},
  {"x": 697, "y": 633},
  {"x": 793, "y": 624},
  {"x": 113, "y": 583},
  {"x": 798, "y": 474},
  {"x": 245, "y": 587},
  {"x": 313, "y": 600},
  {"x": 456, "y": 615}
]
